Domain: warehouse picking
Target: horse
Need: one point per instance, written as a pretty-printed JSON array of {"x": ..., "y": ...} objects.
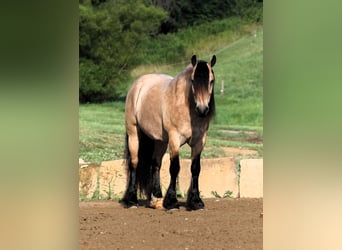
[{"x": 161, "y": 112}]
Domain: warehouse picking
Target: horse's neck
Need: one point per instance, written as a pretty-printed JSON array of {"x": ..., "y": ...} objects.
[
  {"x": 184, "y": 83},
  {"x": 182, "y": 90}
]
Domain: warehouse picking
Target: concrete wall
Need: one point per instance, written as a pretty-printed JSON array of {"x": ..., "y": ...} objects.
[{"x": 218, "y": 175}]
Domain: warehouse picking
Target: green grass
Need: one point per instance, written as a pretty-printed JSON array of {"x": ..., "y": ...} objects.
[
  {"x": 239, "y": 119},
  {"x": 101, "y": 131}
]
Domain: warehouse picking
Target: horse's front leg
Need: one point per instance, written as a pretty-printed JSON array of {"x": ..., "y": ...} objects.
[
  {"x": 170, "y": 200},
  {"x": 194, "y": 200}
]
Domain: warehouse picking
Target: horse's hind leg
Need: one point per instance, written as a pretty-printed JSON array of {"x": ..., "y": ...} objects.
[
  {"x": 156, "y": 197},
  {"x": 130, "y": 198}
]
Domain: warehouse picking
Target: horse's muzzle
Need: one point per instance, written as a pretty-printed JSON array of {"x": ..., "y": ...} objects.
[{"x": 202, "y": 110}]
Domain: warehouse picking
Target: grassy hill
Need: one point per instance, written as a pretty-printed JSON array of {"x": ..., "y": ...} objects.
[{"x": 239, "y": 120}]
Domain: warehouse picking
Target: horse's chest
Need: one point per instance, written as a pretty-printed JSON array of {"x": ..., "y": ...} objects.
[
  {"x": 193, "y": 132},
  {"x": 197, "y": 134}
]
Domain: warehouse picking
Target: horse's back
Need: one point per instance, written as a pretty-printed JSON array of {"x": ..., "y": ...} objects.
[{"x": 144, "y": 104}]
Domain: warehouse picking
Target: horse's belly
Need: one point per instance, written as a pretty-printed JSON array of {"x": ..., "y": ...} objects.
[{"x": 151, "y": 126}]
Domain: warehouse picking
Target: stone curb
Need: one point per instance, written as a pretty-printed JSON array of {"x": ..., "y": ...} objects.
[
  {"x": 218, "y": 176},
  {"x": 251, "y": 178}
]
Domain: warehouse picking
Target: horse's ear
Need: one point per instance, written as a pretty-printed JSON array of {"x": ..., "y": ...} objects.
[
  {"x": 193, "y": 60},
  {"x": 213, "y": 61}
]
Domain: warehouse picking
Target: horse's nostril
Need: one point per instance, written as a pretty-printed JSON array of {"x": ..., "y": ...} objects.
[{"x": 202, "y": 110}]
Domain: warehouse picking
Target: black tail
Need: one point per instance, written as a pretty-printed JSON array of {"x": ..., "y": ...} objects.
[{"x": 144, "y": 169}]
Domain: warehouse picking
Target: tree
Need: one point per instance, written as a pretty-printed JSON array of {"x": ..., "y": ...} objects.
[
  {"x": 110, "y": 33},
  {"x": 183, "y": 13}
]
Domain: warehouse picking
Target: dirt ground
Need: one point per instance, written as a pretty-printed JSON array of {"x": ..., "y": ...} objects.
[{"x": 223, "y": 224}]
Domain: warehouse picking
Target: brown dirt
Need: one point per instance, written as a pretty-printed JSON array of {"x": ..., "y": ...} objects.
[{"x": 223, "y": 224}]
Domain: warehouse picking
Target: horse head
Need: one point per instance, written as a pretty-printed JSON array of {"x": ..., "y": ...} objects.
[{"x": 202, "y": 79}]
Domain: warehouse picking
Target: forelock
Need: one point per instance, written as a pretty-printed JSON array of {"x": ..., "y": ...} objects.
[{"x": 201, "y": 72}]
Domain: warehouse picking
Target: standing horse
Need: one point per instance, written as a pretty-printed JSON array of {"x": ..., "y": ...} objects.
[{"x": 162, "y": 111}]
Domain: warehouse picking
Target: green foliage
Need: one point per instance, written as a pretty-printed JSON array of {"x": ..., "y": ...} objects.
[
  {"x": 92, "y": 82},
  {"x": 110, "y": 34},
  {"x": 185, "y": 13},
  {"x": 248, "y": 9},
  {"x": 164, "y": 49},
  {"x": 215, "y": 194},
  {"x": 227, "y": 194},
  {"x": 96, "y": 194},
  {"x": 176, "y": 47},
  {"x": 117, "y": 35}
]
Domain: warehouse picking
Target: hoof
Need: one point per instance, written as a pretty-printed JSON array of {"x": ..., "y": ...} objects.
[
  {"x": 194, "y": 202},
  {"x": 130, "y": 199},
  {"x": 171, "y": 205},
  {"x": 172, "y": 209},
  {"x": 156, "y": 203},
  {"x": 170, "y": 201},
  {"x": 128, "y": 204},
  {"x": 133, "y": 206},
  {"x": 195, "y": 206}
]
